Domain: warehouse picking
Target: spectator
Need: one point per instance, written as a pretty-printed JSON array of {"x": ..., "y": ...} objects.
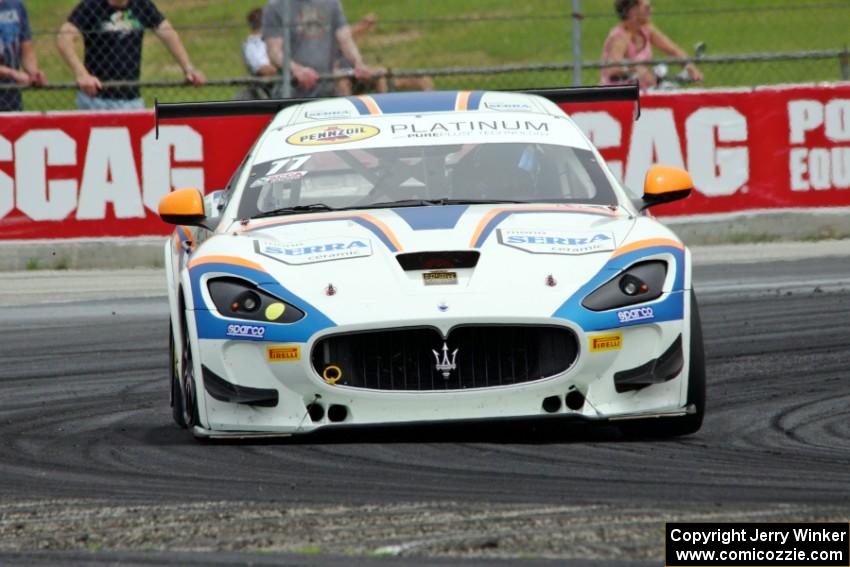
[
  {"x": 16, "y": 51},
  {"x": 112, "y": 32},
  {"x": 346, "y": 86},
  {"x": 256, "y": 57},
  {"x": 633, "y": 39},
  {"x": 319, "y": 27}
]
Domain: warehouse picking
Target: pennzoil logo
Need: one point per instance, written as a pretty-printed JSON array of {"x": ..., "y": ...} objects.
[
  {"x": 283, "y": 353},
  {"x": 601, "y": 343},
  {"x": 332, "y": 134}
]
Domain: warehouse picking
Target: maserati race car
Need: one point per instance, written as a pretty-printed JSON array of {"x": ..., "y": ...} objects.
[{"x": 428, "y": 257}]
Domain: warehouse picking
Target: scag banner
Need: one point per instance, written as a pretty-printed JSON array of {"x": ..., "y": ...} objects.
[
  {"x": 71, "y": 175},
  {"x": 768, "y": 148}
]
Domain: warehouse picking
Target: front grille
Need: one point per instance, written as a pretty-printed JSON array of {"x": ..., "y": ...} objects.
[{"x": 487, "y": 356}]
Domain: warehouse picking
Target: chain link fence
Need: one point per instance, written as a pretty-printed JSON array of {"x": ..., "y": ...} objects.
[{"x": 481, "y": 44}]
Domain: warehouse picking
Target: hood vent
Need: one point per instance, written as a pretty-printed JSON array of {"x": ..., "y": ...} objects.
[{"x": 438, "y": 260}]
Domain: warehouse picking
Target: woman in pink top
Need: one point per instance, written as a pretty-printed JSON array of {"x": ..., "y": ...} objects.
[{"x": 634, "y": 39}]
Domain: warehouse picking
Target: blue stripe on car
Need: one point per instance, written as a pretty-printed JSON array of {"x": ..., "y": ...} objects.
[
  {"x": 359, "y": 105},
  {"x": 475, "y": 100},
  {"x": 402, "y": 103},
  {"x": 212, "y": 326},
  {"x": 431, "y": 218},
  {"x": 671, "y": 307}
]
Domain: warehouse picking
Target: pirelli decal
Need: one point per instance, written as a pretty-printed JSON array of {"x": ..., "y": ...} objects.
[
  {"x": 283, "y": 353},
  {"x": 600, "y": 343}
]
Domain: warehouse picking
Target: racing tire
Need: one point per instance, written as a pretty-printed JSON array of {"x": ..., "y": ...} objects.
[
  {"x": 686, "y": 424},
  {"x": 187, "y": 385},
  {"x": 174, "y": 376}
]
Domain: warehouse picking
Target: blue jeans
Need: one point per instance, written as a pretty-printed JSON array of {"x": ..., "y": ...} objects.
[{"x": 86, "y": 102}]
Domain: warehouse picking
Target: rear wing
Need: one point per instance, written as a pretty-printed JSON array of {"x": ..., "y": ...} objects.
[{"x": 172, "y": 111}]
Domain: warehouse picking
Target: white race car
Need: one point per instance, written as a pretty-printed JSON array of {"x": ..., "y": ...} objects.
[{"x": 428, "y": 257}]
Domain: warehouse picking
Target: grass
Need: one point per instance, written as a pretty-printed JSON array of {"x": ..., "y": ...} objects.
[
  {"x": 61, "y": 263},
  {"x": 308, "y": 550},
  {"x": 446, "y": 33},
  {"x": 826, "y": 233},
  {"x": 753, "y": 238}
]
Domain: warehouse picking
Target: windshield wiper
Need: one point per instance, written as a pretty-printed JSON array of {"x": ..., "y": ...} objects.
[
  {"x": 294, "y": 210},
  {"x": 391, "y": 204},
  {"x": 384, "y": 205},
  {"x": 475, "y": 202},
  {"x": 431, "y": 203}
]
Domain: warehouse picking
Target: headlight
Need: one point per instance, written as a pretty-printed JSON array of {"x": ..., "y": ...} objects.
[
  {"x": 239, "y": 299},
  {"x": 639, "y": 283}
]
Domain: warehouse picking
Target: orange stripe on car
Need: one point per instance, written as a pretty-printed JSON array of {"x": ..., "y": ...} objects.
[
  {"x": 370, "y": 104},
  {"x": 181, "y": 234},
  {"x": 648, "y": 243},
  {"x": 555, "y": 209},
  {"x": 462, "y": 102},
  {"x": 232, "y": 260},
  {"x": 383, "y": 228}
]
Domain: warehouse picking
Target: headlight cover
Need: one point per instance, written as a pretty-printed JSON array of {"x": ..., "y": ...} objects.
[
  {"x": 639, "y": 283},
  {"x": 239, "y": 299}
]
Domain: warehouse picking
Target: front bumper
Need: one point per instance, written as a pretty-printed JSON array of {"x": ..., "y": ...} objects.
[{"x": 254, "y": 367}]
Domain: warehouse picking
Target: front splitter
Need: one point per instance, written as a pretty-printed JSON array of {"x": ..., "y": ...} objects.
[{"x": 339, "y": 430}]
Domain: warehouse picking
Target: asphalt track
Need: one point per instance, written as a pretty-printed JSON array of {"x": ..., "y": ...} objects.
[{"x": 92, "y": 471}]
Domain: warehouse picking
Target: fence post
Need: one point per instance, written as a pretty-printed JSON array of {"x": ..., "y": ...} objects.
[
  {"x": 844, "y": 58},
  {"x": 577, "y": 43},
  {"x": 287, "y": 45}
]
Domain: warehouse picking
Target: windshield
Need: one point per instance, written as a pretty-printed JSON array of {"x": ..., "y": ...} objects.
[{"x": 414, "y": 175}]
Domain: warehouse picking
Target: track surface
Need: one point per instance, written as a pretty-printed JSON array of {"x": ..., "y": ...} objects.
[{"x": 90, "y": 461}]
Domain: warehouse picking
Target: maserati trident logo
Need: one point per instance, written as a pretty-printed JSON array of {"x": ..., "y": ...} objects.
[{"x": 445, "y": 365}]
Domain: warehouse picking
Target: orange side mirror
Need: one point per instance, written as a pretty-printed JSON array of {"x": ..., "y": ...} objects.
[
  {"x": 183, "y": 206},
  {"x": 664, "y": 184}
]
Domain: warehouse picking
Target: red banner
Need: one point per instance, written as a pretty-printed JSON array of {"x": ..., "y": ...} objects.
[
  {"x": 69, "y": 175},
  {"x": 768, "y": 148}
]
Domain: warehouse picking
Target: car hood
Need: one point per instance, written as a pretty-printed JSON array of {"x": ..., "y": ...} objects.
[{"x": 532, "y": 258}]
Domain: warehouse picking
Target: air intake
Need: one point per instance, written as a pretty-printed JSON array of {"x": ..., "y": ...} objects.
[
  {"x": 487, "y": 356},
  {"x": 438, "y": 260}
]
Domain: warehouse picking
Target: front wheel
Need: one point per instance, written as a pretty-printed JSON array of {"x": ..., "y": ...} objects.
[
  {"x": 184, "y": 393},
  {"x": 691, "y": 423},
  {"x": 176, "y": 389}
]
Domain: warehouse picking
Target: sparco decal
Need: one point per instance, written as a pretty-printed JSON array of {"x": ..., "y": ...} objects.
[
  {"x": 636, "y": 314},
  {"x": 246, "y": 331},
  {"x": 332, "y": 134}
]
